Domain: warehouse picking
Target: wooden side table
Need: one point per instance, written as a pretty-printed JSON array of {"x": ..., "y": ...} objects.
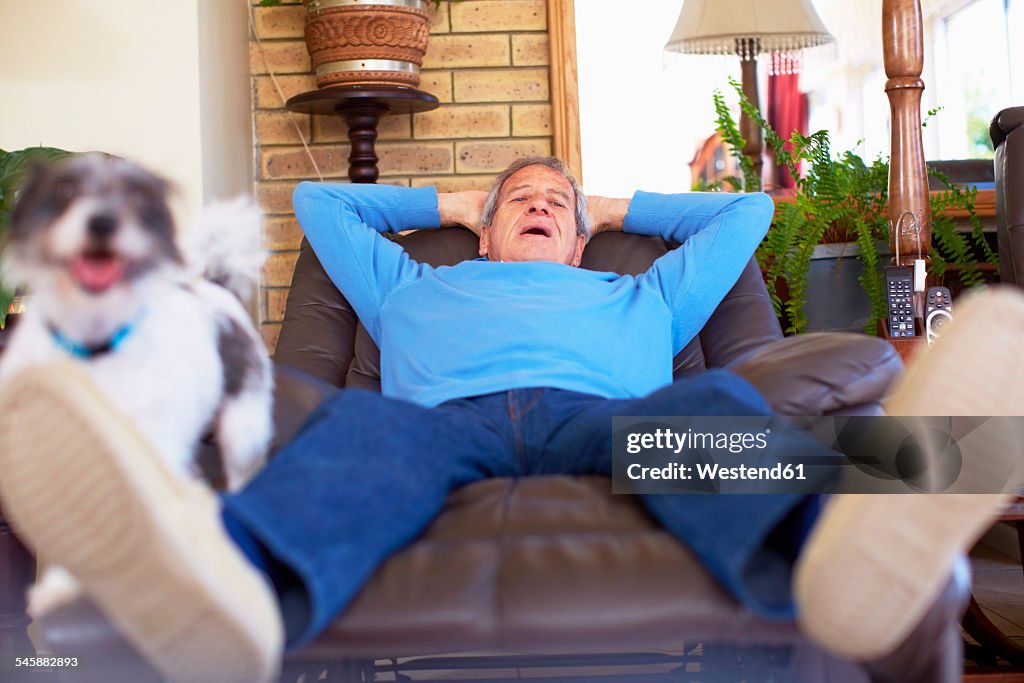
[
  {"x": 362, "y": 107},
  {"x": 905, "y": 346},
  {"x": 17, "y": 571},
  {"x": 992, "y": 642}
]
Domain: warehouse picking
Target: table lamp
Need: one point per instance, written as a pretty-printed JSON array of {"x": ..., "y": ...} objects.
[{"x": 748, "y": 28}]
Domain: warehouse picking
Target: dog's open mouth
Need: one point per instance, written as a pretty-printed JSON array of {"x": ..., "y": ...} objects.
[{"x": 97, "y": 270}]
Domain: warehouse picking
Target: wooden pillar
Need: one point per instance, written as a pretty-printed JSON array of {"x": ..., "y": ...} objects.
[
  {"x": 748, "y": 49},
  {"x": 362, "y": 134},
  {"x": 909, "y": 213}
]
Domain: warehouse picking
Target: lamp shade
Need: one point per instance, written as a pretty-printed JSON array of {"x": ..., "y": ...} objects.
[{"x": 747, "y": 27}]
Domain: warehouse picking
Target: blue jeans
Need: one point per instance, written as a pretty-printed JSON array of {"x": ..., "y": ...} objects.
[{"x": 367, "y": 474}]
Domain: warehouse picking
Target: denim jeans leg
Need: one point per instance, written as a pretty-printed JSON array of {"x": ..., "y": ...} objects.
[
  {"x": 749, "y": 543},
  {"x": 362, "y": 479}
]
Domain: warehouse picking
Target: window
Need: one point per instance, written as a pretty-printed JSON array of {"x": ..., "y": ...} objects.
[
  {"x": 643, "y": 113},
  {"x": 974, "y": 73}
]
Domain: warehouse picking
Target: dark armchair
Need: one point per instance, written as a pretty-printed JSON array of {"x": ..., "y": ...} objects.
[
  {"x": 1008, "y": 140},
  {"x": 554, "y": 570}
]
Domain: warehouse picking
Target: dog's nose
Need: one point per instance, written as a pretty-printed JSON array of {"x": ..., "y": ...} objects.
[{"x": 102, "y": 225}]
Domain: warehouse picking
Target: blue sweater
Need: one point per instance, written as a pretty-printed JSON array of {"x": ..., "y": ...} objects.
[{"x": 481, "y": 326}]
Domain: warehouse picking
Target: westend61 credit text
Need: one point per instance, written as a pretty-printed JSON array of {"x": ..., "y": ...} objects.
[
  {"x": 759, "y": 454},
  {"x": 713, "y": 471}
]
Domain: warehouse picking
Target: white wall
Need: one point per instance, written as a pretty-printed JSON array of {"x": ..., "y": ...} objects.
[
  {"x": 225, "y": 93},
  {"x": 164, "y": 82}
]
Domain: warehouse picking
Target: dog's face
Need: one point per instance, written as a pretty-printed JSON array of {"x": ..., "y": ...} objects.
[{"x": 89, "y": 225}]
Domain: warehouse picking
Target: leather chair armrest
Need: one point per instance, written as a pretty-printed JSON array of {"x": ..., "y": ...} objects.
[
  {"x": 296, "y": 394},
  {"x": 1004, "y": 123},
  {"x": 319, "y": 323},
  {"x": 822, "y": 373},
  {"x": 1008, "y": 163}
]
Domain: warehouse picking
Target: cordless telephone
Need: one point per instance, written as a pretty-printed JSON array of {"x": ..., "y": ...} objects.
[{"x": 899, "y": 292}]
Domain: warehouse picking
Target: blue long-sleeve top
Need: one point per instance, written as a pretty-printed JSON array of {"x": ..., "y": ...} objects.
[{"x": 481, "y": 326}]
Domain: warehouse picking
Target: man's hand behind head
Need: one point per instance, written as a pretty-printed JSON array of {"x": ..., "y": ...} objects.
[
  {"x": 606, "y": 213},
  {"x": 462, "y": 208}
]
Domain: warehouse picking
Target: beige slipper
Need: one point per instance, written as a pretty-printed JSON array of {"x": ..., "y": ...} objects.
[
  {"x": 82, "y": 488},
  {"x": 875, "y": 563}
]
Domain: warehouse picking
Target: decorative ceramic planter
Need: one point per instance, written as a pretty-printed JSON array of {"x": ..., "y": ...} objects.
[
  {"x": 367, "y": 42},
  {"x": 836, "y": 301}
]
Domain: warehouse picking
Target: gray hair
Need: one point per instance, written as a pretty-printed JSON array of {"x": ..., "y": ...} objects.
[{"x": 555, "y": 164}]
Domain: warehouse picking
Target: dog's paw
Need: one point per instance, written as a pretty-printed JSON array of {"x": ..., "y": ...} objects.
[{"x": 56, "y": 589}]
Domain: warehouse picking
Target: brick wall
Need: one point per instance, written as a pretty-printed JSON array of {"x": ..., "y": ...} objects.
[{"x": 487, "y": 64}]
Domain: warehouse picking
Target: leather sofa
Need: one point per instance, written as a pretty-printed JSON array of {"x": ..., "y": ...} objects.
[
  {"x": 555, "y": 571},
  {"x": 1008, "y": 140}
]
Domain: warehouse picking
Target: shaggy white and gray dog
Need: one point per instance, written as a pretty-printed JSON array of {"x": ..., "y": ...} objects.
[{"x": 159, "y": 326}]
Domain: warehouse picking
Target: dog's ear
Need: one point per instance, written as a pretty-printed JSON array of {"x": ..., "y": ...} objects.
[{"x": 33, "y": 179}]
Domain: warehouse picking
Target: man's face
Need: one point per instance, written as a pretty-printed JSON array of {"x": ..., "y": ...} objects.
[{"x": 535, "y": 220}]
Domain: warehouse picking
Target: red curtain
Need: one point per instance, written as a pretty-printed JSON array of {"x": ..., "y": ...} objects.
[{"x": 787, "y": 108}]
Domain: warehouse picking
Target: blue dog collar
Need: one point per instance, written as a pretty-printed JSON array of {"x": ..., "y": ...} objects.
[{"x": 87, "y": 351}]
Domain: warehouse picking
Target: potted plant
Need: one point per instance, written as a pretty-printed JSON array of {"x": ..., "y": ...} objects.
[
  {"x": 362, "y": 42},
  {"x": 12, "y": 168},
  {"x": 840, "y": 207}
]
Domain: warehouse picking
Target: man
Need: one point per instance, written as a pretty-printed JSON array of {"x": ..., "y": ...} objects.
[{"x": 509, "y": 365}]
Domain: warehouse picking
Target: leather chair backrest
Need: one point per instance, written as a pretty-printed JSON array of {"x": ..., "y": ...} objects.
[
  {"x": 1008, "y": 139},
  {"x": 322, "y": 335}
]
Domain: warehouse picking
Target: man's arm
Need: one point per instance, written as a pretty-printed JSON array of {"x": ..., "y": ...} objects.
[
  {"x": 342, "y": 223},
  {"x": 718, "y": 233}
]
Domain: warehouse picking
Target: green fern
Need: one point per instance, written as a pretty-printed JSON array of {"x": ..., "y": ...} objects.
[
  {"x": 842, "y": 198},
  {"x": 13, "y": 166},
  {"x": 952, "y": 245},
  {"x": 730, "y": 133}
]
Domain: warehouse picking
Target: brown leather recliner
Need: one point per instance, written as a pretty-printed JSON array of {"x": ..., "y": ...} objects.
[
  {"x": 555, "y": 570},
  {"x": 1008, "y": 140}
]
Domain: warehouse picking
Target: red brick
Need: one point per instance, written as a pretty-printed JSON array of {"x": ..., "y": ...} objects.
[
  {"x": 499, "y": 15},
  {"x": 457, "y": 121},
  {"x": 415, "y": 158},
  {"x": 438, "y": 84},
  {"x": 495, "y": 156},
  {"x": 456, "y": 51},
  {"x": 281, "y": 127},
  {"x": 280, "y": 57},
  {"x": 276, "y": 299},
  {"x": 275, "y": 197},
  {"x": 278, "y": 269},
  {"x": 281, "y": 233},
  {"x": 531, "y": 120},
  {"x": 283, "y": 21},
  {"x": 502, "y": 85},
  {"x": 455, "y": 183},
  {"x": 267, "y": 96},
  {"x": 530, "y": 49},
  {"x": 440, "y": 21},
  {"x": 334, "y": 128},
  {"x": 295, "y": 163},
  {"x": 270, "y": 333}
]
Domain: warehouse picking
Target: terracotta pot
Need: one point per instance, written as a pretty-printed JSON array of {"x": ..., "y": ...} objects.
[{"x": 367, "y": 42}]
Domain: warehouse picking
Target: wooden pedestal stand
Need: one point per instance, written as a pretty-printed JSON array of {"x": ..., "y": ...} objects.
[{"x": 362, "y": 107}]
